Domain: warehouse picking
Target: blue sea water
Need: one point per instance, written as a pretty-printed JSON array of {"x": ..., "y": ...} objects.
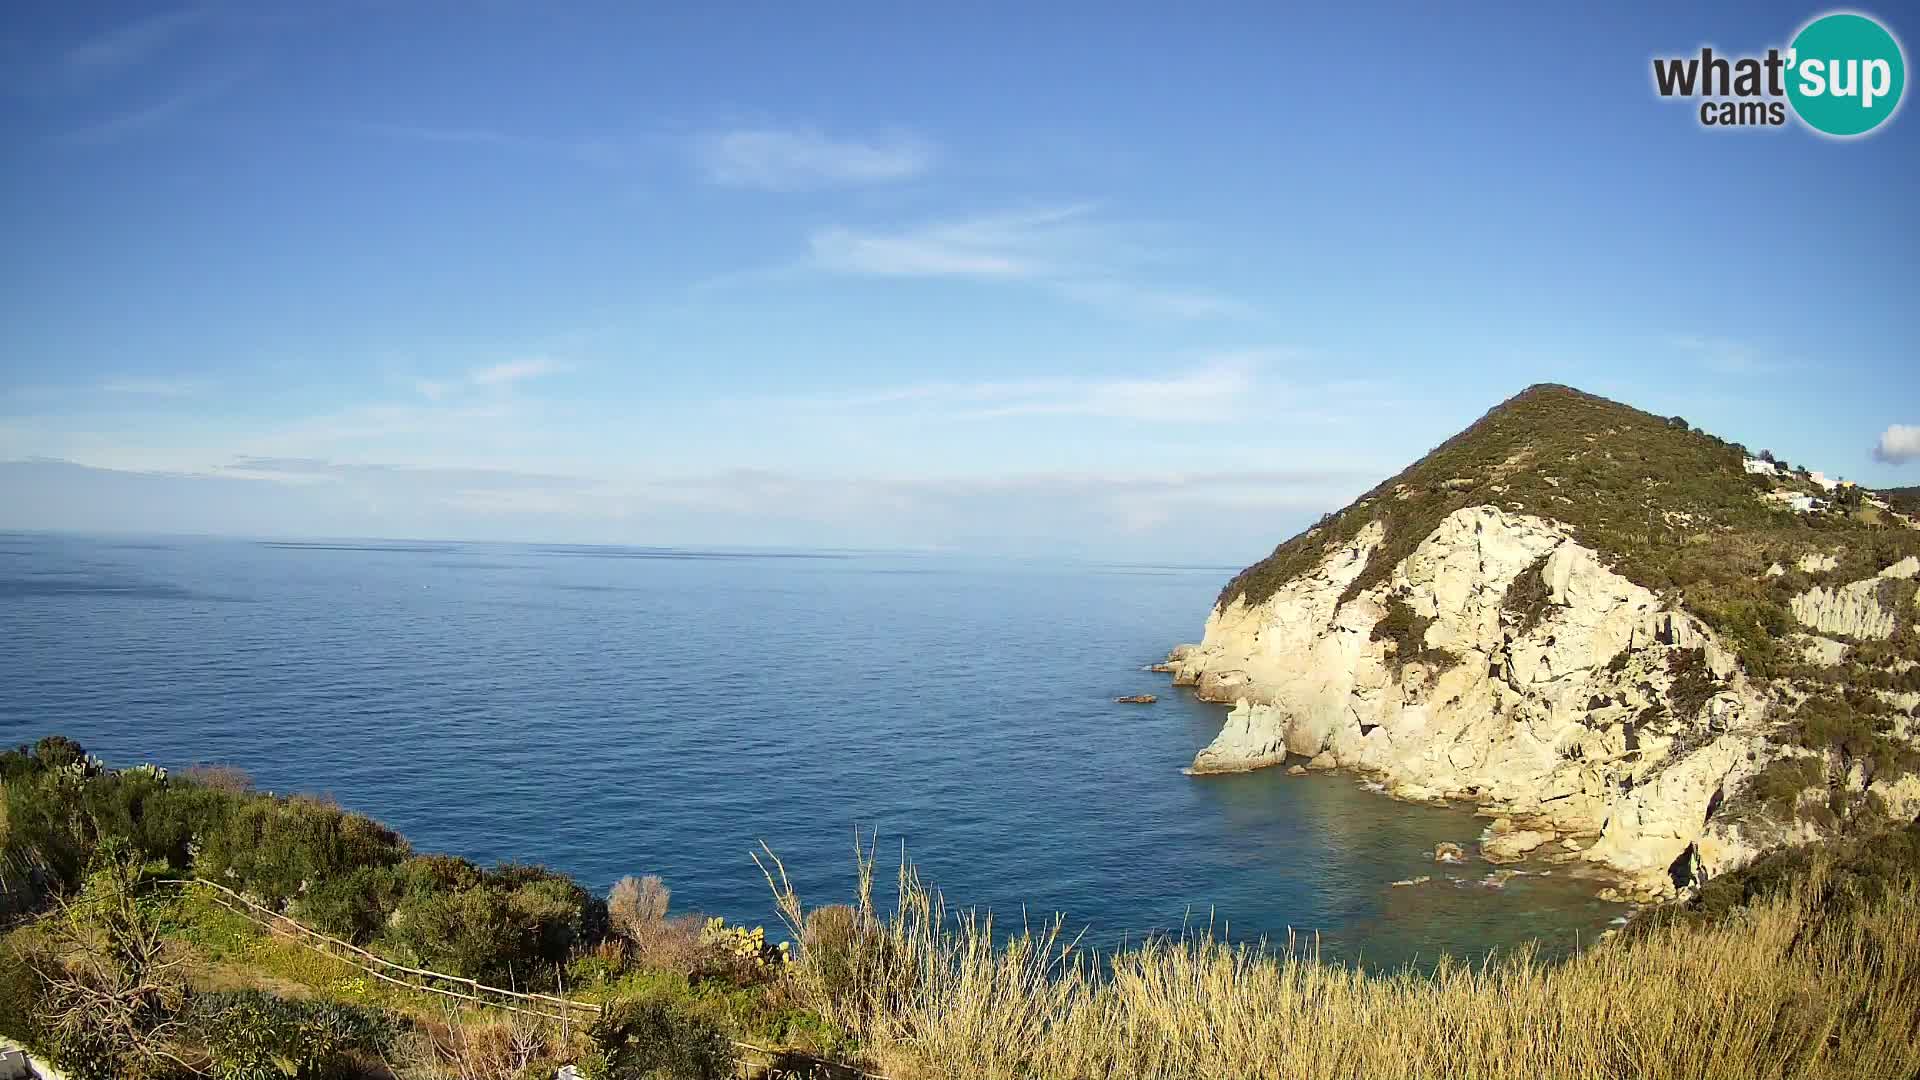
[{"x": 608, "y": 711}]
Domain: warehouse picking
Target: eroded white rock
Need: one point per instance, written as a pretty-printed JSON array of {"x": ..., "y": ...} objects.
[{"x": 1550, "y": 723}]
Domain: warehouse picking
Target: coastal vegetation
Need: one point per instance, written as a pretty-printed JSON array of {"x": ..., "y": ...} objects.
[{"x": 1805, "y": 965}]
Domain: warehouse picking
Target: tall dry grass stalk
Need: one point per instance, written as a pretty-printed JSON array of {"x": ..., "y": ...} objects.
[{"x": 1786, "y": 991}]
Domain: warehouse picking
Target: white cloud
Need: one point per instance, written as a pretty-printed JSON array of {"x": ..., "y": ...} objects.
[
  {"x": 1724, "y": 356},
  {"x": 1025, "y": 243},
  {"x": 514, "y": 371},
  {"x": 1133, "y": 298},
  {"x": 129, "y": 43},
  {"x": 1218, "y": 387},
  {"x": 775, "y": 160},
  {"x": 1899, "y": 444},
  {"x": 1064, "y": 249}
]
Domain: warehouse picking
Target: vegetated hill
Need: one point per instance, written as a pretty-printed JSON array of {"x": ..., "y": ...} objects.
[
  {"x": 1673, "y": 508},
  {"x": 1904, "y": 499}
]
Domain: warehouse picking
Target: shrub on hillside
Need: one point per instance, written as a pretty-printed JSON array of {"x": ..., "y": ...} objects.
[
  {"x": 253, "y": 1035},
  {"x": 221, "y": 778},
  {"x": 1407, "y": 630},
  {"x": 1529, "y": 598},
  {"x": 1779, "y": 785},
  {"x": 638, "y": 905},
  {"x": 272, "y": 847},
  {"x": 113, "y": 987},
  {"x": 832, "y": 947},
  {"x": 1843, "y": 878},
  {"x": 1694, "y": 683},
  {"x": 654, "y": 1040}
]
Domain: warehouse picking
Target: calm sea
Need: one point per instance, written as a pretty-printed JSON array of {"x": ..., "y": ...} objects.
[{"x": 608, "y": 711}]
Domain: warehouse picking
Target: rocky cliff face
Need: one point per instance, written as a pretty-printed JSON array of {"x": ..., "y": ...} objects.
[
  {"x": 1860, "y": 609},
  {"x": 1595, "y": 715}
]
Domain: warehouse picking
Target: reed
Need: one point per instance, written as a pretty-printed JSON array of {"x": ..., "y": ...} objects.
[{"x": 1787, "y": 988}]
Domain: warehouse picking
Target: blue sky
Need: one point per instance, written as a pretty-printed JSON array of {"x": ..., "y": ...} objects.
[{"x": 1102, "y": 280}]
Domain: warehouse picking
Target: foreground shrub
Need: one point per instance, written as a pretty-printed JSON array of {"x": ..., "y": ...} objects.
[
  {"x": 509, "y": 1046},
  {"x": 251, "y": 1035},
  {"x": 637, "y": 906},
  {"x": 113, "y": 990},
  {"x": 656, "y": 1040}
]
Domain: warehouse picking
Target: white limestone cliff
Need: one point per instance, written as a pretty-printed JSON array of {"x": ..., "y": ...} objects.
[{"x": 1567, "y": 724}]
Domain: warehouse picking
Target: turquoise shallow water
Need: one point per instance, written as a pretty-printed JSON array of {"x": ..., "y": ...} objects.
[{"x": 628, "y": 710}]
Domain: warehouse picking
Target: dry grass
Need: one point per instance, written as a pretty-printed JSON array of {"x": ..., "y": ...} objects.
[{"x": 1783, "y": 991}]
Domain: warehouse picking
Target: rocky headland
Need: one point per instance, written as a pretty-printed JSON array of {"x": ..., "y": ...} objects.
[{"x": 1578, "y": 616}]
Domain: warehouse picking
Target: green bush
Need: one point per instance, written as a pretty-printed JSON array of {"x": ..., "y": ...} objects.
[
  {"x": 1528, "y": 599},
  {"x": 656, "y": 1040},
  {"x": 252, "y": 1035},
  {"x": 1854, "y": 873},
  {"x": 1778, "y": 786},
  {"x": 354, "y": 905},
  {"x": 272, "y": 847},
  {"x": 1408, "y": 632},
  {"x": 1694, "y": 683},
  {"x": 831, "y": 947},
  {"x": 21, "y": 990}
]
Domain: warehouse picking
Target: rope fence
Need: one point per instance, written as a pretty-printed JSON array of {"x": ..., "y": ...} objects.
[{"x": 546, "y": 1006}]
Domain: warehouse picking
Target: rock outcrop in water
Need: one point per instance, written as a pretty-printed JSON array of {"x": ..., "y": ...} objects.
[{"x": 1498, "y": 658}]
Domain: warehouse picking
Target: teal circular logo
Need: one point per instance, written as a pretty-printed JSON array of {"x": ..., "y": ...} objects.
[{"x": 1845, "y": 74}]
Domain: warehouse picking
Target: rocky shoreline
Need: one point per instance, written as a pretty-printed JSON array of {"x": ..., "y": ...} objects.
[{"x": 1603, "y": 720}]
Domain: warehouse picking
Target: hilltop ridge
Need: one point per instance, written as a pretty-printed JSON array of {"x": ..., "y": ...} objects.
[{"x": 1659, "y": 648}]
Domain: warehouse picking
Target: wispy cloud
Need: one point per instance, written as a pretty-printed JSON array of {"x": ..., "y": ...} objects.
[
  {"x": 150, "y": 387},
  {"x": 128, "y": 44},
  {"x": 1899, "y": 444},
  {"x": 1135, "y": 298},
  {"x": 1024, "y": 243},
  {"x": 1065, "y": 249},
  {"x": 1212, "y": 389},
  {"x": 798, "y": 160},
  {"x": 325, "y": 469},
  {"x": 503, "y": 375},
  {"x": 514, "y": 371},
  {"x": 1724, "y": 356},
  {"x": 155, "y": 113}
]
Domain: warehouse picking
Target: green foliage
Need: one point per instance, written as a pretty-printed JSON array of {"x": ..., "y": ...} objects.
[
  {"x": 1779, "y": 785},
  {"x": 112, "y": 991},
  {"x": 252, "y": 1035},
  {"x": 651, "y": 1039},
  {"x": 831, "y": 944},
  {"x": 272, "y": 847},
  {"x": 1407, "y": 630},
  {"x": 1528, "y": 599},
  {"x": 1694, "y": 682},
  {"x": 1852, "y": 874},
  {"x": 21, "y": 991},
  {"x": 1905, "y": 500},
  {"x": 1857, "y": 726},
  {"x": 345, "y": 873},
  {"x": 514, "y": 925},
  {"x": 1751, "y": 626}
]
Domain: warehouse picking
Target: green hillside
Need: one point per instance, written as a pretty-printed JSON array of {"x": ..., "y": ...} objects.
[{"x": 1671, "y": 506}]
